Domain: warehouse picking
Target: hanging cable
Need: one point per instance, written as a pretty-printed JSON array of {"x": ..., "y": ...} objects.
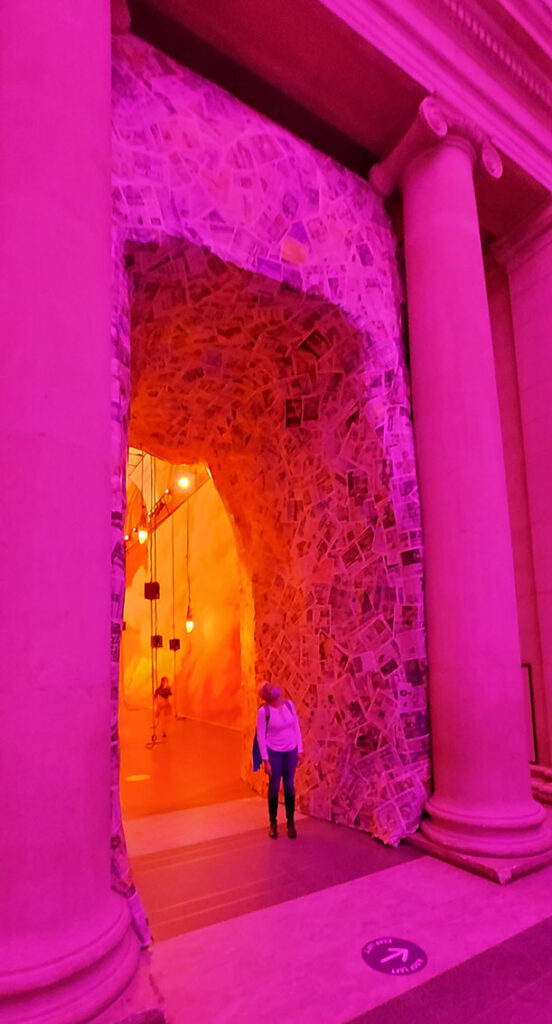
[
  {"x": 122, "y": 672},
  {"x": 153, "y": 610},
  {"x": 173, "y": 578},
  {"x": 188, "y": 550},
  {"x": 173, "y": 645},
  {"x": 189, "y": 613}
]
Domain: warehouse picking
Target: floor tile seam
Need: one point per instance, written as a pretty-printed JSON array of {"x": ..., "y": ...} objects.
[
  {"x": 235, "y": 838},
  {"x": 319, "y": 888},
  {"x": 166, "y": 919},
  {"x": 198, "y": 913},
  {"x": 160, "y": 818},
  {"x": 166, "y": 863},
  {"x": 280, "y": 877},
  {"x": 236, "y": 831},
  {"x": 259, "y": 882},
  {"x": 179, "y": 856},
  {"x": 197, "y": 810},
  {"x": 245, "y": 829},
  {"x": 231, "y": 836},
  {"x": 174, "y": 858},
  {"x": 307, "y": 896},
  {"x": 242, "y": 839},
  {"x": 177, "y": 860},
  {"x": 183, "y": 817},
  {"x": 258, "y": 887}
]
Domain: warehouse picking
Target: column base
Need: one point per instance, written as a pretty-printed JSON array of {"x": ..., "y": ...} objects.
[
  {"x": 141, "y": 1002},
  {"x": 497, "y": 869},
  {"x": 524, "y": 834},
  {"x": 499, "y": 848},
  {"x": 73, "y": 989}
]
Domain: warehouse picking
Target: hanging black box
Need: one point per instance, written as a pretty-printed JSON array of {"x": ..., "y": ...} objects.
[
  {"x": 152, "y": 590},
  {"x": 174, "y": 644},
  {"x": 157, "y": 640}
]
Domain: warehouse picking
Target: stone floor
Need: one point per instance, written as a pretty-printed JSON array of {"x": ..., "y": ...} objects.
[
  {"x": 251, "y": 930},
  {"x": 197, "y": 764}
]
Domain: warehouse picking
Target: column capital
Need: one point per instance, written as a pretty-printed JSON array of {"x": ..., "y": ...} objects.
[{"x": 436, "y": 121}]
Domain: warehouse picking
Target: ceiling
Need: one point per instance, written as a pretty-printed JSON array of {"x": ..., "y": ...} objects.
[{"x": 304, "y": 68}]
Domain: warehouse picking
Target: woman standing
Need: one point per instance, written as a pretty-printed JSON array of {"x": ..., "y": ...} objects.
[
  {"x": 281, "y": 746},
  {"x": 163, "y": 704}
]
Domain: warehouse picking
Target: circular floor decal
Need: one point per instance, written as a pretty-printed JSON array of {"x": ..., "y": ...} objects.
[{"x": 394, "y": 956}]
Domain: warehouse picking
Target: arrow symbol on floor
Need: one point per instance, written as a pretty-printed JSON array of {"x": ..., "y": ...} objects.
[{"x": 395, "y": 951}]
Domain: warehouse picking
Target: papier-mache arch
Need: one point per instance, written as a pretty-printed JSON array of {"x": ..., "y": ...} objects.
[{"x": 256, "y": 282}]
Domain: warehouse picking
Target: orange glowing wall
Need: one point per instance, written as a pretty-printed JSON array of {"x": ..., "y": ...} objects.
[{"x": 208, "y": 672}]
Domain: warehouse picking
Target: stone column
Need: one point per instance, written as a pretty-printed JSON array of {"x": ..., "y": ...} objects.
[
  {"x": 527, "y": 255},
  {"x": 66, "y": 946},
  {"x": 482, "y": 803}
]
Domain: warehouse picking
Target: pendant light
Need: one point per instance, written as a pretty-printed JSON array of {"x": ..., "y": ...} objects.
[{"x": 189, "y": 615}]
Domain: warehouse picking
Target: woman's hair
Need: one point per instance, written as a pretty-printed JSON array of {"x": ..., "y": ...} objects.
[{"x": 265, "y": 690}]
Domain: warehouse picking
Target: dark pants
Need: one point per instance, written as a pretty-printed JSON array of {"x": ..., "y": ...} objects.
[{"x": 283, "y": 764}]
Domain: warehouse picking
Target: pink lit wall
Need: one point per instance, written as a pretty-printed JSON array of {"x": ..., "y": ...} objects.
[
  {"x": 514, "y": 458},
  {"x": 208, "y": 666},
  {"x": 527, "y": 257}
]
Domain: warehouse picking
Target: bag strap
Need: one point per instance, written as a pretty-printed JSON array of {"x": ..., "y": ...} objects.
[{"x": 288, "y": 705}]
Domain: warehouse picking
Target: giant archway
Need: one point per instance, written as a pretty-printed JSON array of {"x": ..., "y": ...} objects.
[{"x": 260, "y": 281}]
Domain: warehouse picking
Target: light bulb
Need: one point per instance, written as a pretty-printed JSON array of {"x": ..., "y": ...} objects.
[
  {"x": 184, "y": 483},
  {"x": 189, "y": 618},
  {"x": 142, "y": 534},
  {"x": 127, "y": 536}
]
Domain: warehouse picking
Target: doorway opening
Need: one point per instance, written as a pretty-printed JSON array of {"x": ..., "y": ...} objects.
[
  {"x": 282, "y": 396},
  {"x": 277, "y": 393},
  {"x": 181, "y": 706}
]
